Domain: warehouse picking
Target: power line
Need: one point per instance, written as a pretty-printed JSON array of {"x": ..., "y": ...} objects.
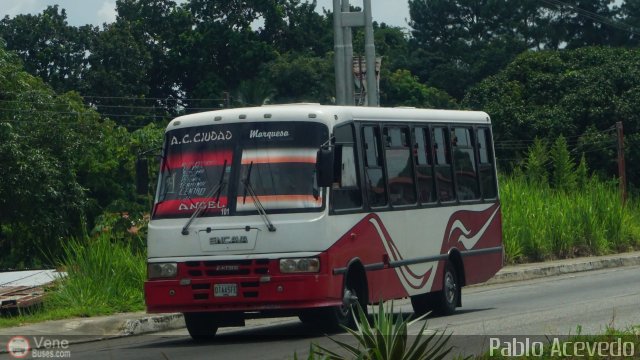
[{"x": 594, "y": 16}]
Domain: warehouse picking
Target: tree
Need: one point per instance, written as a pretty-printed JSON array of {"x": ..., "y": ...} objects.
[
  {"x": 40, "y": 143},
  {"x": 49, "y": 47},
  {"x": 403, "y": 89},
  {"x": 120, "y": 66},
  {"x": 577, "y": 93},
  {"x": 300, "y": 78},
  {"x": 62, "y": 166},
  {"x": 295, "y": 26},
  {"x": 457, "y": 43}
]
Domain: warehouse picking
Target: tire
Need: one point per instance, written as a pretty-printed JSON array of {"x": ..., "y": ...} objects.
[
  {"x": 422, "y": 303},
  {"x": 201, "y": 326},
  {"x": 447, "y": 300},
  {"x": 336, "y": 317}
]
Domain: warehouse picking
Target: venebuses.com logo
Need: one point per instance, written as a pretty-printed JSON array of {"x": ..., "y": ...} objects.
[{"x": 18, "y": 347}]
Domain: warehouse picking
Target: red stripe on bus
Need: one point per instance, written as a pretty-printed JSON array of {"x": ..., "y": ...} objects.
[
  {"x": 184, "y": 206},
  {"x": 211, "y": 158}
]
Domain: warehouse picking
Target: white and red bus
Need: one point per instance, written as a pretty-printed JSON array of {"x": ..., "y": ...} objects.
[{"x": 306, "y": 209}]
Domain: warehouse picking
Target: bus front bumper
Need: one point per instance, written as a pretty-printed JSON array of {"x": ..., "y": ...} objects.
[{"x": 244, "y": 294}]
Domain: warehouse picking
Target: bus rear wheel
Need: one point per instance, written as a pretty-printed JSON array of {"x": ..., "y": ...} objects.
[
  {"x": 201, "y": 326},
  {"x": 447, "y": 300}
]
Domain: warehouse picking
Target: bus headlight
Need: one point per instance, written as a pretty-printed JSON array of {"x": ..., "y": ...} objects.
[
  {"x": 303, "y": 265},
  {"x": 162, "y": 270}
]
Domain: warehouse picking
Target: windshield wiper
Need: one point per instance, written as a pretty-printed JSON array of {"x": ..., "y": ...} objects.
[
  {"x": 248, "y": 188},
  {"x": 216, "y": 190}
]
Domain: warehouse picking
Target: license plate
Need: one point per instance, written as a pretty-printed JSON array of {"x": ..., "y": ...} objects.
[{"x": 224, "y": 290}]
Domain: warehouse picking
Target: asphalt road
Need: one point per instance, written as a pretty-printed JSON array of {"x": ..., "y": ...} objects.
[{"x": 559, "y": 305}]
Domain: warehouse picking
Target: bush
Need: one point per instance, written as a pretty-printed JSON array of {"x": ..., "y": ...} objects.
[
  {"x": 388, "y": 339},
  {"x": 103, "y": 276}
]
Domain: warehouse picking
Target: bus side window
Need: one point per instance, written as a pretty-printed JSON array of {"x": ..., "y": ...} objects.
[
  {"x": 402, "y": 189},
  {"x": 423, "y": 151},
  {"x": 464, "y": 161},
  {"x": 487, "y": 172},
  {"x": 444, "y": 177},
  {"x": 347, "y": 194},
  {"x": 375, "y": 183}
]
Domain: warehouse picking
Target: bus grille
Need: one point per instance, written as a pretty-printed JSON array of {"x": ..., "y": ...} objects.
[
  {"x": 247, "y": 288},
  {"x": 227, "y": 267}
]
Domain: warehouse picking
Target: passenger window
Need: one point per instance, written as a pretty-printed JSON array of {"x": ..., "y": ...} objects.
[
  {"x": 375, "y": 182},
  {"x": 399, "y": 166},
  {"x": 444, "y": 177},
  {"x": 346, "y": 194},
  {"x": 465, "y": 164},
  {"x": 424, "y": 169},
  {"x": 487, "y": 171}
]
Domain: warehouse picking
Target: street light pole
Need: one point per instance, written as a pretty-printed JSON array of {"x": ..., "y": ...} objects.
[{"x": 343, "y": 21}]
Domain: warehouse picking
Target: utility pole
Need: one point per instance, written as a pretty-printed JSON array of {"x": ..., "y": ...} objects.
[
  {"x": 343, "y": 21},
  {"x": 621, "y": 166}
]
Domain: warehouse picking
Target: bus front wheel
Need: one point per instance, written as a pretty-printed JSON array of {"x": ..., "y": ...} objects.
[
  {"x": 354, "y": 293},
  {"x": 201, "y": 326}
]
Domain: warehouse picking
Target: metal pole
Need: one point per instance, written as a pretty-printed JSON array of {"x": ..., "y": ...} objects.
[
  {"x": 621, "y": 165},
  {"x": 370, "y": 53},
  {"x": 348, "y": 58},
  {"x": 339, "y": 52}
]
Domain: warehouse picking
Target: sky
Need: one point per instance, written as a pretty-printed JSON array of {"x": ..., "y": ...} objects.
[{"x": 97, "y": 12}]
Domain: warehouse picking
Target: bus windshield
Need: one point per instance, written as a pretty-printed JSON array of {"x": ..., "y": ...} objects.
[{"x": 206, "y": 167}]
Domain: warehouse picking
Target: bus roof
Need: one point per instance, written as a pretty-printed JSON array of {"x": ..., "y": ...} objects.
[{"x": 329, "y": 114}]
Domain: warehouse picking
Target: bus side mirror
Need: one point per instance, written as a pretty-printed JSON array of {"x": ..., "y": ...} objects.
[
  {"x": 325, "y": 166},
  {"x": 142, "y": 176}
]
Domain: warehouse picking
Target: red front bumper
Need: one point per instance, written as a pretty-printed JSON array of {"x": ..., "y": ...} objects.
[{"x": 259, "y": 287}]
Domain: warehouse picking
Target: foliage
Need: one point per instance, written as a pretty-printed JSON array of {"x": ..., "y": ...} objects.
[
  {"x": 50, "y": 48},
  {"x": 456, "y": 44},
  {"x": 313, "y": 79},
  {"x": 540, "y": 223},
  {"x": 579, "y": 94},
  {"x": 537, "y": 163},
  {"x": 564, "y": 176},
  {"x": 403, "y": 89},
  {"x": 103, "y": 276},
  {"x": 42, "y": 139},
  {"x": 388, "y": 338},
  {"x": 63, "y": 166}
]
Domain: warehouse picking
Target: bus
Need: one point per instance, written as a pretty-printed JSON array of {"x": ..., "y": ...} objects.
[{"x": 308, "y": 209}]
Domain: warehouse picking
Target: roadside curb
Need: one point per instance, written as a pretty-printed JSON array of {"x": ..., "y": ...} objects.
[
  {"x": 152, "y": 324},
  {"x": 540, "y": 270},
  {"x": 88, "y": 330}
]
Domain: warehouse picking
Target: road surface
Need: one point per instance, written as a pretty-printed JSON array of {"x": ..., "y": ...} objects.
[{"x": 585, "y": 302}]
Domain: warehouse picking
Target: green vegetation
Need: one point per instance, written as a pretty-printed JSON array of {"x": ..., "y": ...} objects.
[
  {"x": 387, "y": 338},
  {"x": 542, "y": 223},
  {"x": 553, "y": 211},
  {"x": 104, "y": 276}
]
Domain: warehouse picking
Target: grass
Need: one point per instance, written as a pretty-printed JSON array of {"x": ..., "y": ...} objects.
[
  {"x": 540, "y": 223},
  {"x": 103, "y": 277}
]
